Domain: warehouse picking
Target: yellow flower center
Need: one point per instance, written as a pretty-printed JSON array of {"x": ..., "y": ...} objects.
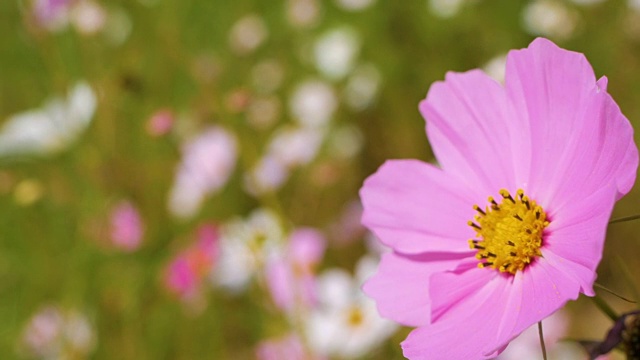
[
  {"x": 510, "y": 233},
  {"x": 355, "y": 318}
]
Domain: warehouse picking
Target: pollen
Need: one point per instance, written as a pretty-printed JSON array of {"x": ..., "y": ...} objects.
[{"x": 510, "y": 233}]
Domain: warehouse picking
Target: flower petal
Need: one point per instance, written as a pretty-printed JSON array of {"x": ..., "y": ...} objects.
[
  {"x": 468, "y": 119},
  {"x": 575, "y": 237},
  {"x": 572, "y": 135},
  {"x": 544, "y": 289},
  {"x": 401, "y": 285},
  {"x": 449, "y": 289},
  {"x": 468, "y": 331},
  {"x": 414, "y": 207}
]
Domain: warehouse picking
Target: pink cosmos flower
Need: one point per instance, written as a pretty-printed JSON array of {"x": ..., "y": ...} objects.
[
  {"x": 289, "y": 347},
  {"x": 290, "y": 277},
  {"x": 52, "y": 14},
  {"x": 186, "y": 272},
  {"x": 472, "y": 271},
  {"x": 160, "y": 123},
  {"x": 126, "y": 226},
  {"x": 207, "y": 163}
]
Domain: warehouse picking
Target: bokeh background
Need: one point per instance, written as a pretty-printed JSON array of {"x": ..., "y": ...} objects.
[{"x": 159, "y": 158}]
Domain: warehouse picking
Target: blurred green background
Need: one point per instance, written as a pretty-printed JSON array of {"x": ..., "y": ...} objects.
[{"x": 181, "y": 55}]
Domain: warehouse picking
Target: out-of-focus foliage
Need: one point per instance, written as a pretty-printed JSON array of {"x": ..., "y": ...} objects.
[{"x": 123, "y": 221}]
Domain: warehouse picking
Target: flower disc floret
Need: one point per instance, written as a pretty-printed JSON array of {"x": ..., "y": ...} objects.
[{"x": 510, "y": 232}]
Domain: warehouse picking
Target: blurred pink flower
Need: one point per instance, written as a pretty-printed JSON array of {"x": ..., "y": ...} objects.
[
  {"x": 160, "y": 123},
  {"x": 185, "y": 273},
  {"x": 348, "y": 228},
  {"x": 126, "y": 226},
  {"x": 290, "y": 276},
  {"x": 288, "y": 347},
  {"x": 555, "y": 139},
  {"x": 208, "y": 161},
  {"x": 88, "y": 17},
  {"x": 52, "y": 15}
]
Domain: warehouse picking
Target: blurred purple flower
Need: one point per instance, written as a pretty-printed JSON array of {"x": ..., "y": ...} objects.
[
  {"x": 288, "y": 347},
  {"x": 290, "y": 277},
  {"x": 127, "y": 228},
  {"x": 208, "y": 161},
  {"x": 52, "y": 15}
]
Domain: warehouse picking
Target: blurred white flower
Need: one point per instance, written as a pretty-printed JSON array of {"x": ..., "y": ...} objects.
[
  {"x": 445, "y": 8},
  {"x": 303, "y": 13},
  {"x": 634, "y": 4},
  {"x": 55, "y": 334},
  {"x": 313, "y": 103},
  {"x": 549, "y": 18},
  {"x": 354, "y": 5},
  {"x": 363, "y": 86},
  {"x": 208, "y": 161},
  {"x": 267, "y": 76},
  {"x": 88, "y": 17},
  {"x": 247, "y": 34},
  {"x": 78, "y": 332},
  {"x": 496, "y": 68},
  {"x": 51, "y": 128},
  {"x": 346, "y": 323},
  {"x": 295, "y": 146},
  {"x": 335, "y": 52},
  {"x": 245, "y": 247}
]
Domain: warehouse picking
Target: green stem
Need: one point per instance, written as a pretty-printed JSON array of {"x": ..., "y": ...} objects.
[
  {"x": 625, "y": 218},
  {"x": 605, "y": 308}
]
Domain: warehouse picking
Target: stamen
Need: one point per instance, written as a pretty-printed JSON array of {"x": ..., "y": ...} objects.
[
  {"x": 509, "y": 233},
  {"x": 474, "y": 225},
  {"x": 494, "y": 203},
  {"x": 478, "y": 209},
  {"x": 505, "y": 194}
]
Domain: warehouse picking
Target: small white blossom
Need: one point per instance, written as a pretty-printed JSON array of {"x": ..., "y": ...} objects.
[
  {"x": 549, "y": 18},
  {"x": 247, "y": 34},
  {"x": 245, "y": 247},
  {"x": 313, "y": 103},
  {"x": 346, "y": 324},
  {"x": 51, "y": 128},
  {"x": 335, "y": 52}
]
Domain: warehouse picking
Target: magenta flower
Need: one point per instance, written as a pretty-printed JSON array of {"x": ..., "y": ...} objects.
[
  {"x": 187, "y": 271},
  {"x": 512, "y": 224}
]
